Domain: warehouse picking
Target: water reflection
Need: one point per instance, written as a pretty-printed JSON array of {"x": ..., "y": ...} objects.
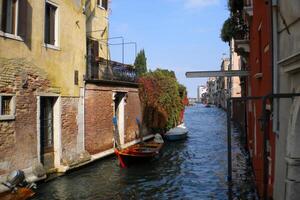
[{"x": 192, "y": 169}]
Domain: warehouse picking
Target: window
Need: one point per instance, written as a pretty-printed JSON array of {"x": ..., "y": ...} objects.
[
  {"x": 9, "y": 16},
  {"x": 103, "y": 4},
  {"x": 7, "y": 107},
  {"x": 51, "y": 24}
]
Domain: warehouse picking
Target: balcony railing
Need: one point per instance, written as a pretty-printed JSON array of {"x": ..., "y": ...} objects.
[{"x": 101, "y": 69}]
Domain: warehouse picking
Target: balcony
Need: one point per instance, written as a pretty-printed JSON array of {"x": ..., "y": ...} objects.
[
  {"x": 106, "y": 70},
  {"x": 248, "y": 7},
  {"x": 241, "y": 45}
]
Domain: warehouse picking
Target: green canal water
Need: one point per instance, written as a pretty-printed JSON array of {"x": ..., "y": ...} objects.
[{"x": 195, "y": 168}]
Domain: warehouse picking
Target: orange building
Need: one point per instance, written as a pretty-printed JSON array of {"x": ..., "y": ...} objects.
[{"x": 259, "y": 83}]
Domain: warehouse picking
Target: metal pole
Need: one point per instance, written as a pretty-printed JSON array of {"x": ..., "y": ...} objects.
[
  {"x": 229, "y": 160},
  {"x": 123, "y": 51},
  {"x": 135, "y": 46},
  {"x": 229, "y": 178},
  {"x": 125, "y": 43}
]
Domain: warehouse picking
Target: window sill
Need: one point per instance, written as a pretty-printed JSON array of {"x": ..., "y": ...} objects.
[
  {"x": 7, "y": 117},
  {"x": 11, "y": 36},
  {"x": 50, "y": 46}
]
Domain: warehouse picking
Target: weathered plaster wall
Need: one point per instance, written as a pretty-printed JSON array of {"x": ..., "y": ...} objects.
[
  {"x": 97, "y": 26},
  {"x": 60, "y": 63}
]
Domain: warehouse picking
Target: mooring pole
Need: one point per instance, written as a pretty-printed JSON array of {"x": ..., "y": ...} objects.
[{"x": 229, "y": 158}]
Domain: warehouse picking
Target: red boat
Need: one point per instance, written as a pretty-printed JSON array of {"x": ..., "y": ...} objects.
[
  {"x": 141, "y": 152},
  {"x": 20, "y": 194},
  {"x": 19, "y": 188}
]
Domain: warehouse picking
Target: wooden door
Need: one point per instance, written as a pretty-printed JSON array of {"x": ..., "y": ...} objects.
[{"x": 46, "y": 127}]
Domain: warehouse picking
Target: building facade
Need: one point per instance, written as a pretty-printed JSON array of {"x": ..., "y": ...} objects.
[
  {"x": 200, "y": 91},
  {"x": 255, "y": 48},
  {"x": 286, "y": 123},
  {"x": 41, "y": 87},
  {"x": 58, "y": 88}
]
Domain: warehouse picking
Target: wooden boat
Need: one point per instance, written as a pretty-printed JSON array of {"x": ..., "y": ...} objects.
[
  {"x": 177, "y": 133},
  {"x": 141, "y": 152},
  {"x": 21, "y": 194},
  {"x": 19, "y": 188}
]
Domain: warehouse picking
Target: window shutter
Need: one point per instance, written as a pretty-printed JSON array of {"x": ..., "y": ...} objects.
[
  {"x": 105, "y": 4},
  {"x": 22, "y": 20},
  {"x": 95, "y": 50},
  {"x": 52, "y": 25},
  {"x": 4, "y": 15}
]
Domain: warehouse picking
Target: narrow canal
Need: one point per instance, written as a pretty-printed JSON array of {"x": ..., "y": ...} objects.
[{"x": 192, "y": 169}]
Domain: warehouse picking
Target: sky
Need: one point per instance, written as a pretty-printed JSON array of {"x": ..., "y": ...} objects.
[{"x": 178, "y": 35}]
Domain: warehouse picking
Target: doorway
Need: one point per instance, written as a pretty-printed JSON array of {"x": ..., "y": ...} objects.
[
  {"x": 47, "y": 132},
  {"x": 119, "y": 109}
]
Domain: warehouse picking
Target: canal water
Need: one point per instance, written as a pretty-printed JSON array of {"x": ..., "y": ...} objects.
[{"x": 195, "y": 168}]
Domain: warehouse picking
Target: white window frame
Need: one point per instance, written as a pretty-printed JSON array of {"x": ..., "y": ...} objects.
[
  {"x": 14, "y": 36},
  {"x": 56, "y": 45},
  {"x": 100, "y": 5},
  {"x": 12, "y": 105}
]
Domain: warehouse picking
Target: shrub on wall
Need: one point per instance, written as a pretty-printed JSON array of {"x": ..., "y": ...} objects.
[{"x": 162, "y": 99}]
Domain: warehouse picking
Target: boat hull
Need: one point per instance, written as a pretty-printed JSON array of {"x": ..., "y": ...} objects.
[
  {"x": 139, "y": 153},
  {"x": 174, "y": 137},
  {"x": 178, "y": 133},
  {"x": 20, "y": 194}
]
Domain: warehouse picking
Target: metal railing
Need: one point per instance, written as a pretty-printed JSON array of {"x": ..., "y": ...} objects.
[{"x": 102, "y": 69}]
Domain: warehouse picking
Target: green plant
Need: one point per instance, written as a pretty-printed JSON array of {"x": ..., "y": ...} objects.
[
  {"x": 162, "y": 99},
  {"x": 234, "y": 27},
  {"x": 140, "y": 63},
  {"x": 235, "y": 5}
]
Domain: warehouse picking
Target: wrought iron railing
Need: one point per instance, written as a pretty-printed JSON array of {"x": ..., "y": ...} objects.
[{"x": 102, "y": 69}]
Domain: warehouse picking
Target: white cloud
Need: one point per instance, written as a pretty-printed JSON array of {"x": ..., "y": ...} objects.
[{"x": 199, "y": 3}]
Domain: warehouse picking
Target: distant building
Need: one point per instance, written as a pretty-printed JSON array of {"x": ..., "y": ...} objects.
[
  {"x": 222, "y": 85},
  {"x": 211, "y": 96},
  {"x": 200, "y": 91}
]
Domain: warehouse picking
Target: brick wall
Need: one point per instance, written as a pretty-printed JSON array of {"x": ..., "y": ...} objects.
[
  {"x": 99, "y": 111},
  {"x": 18, "y": 138},
  {"x": 69, "y": 128},
  {"x": 132, "y": 111}
]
